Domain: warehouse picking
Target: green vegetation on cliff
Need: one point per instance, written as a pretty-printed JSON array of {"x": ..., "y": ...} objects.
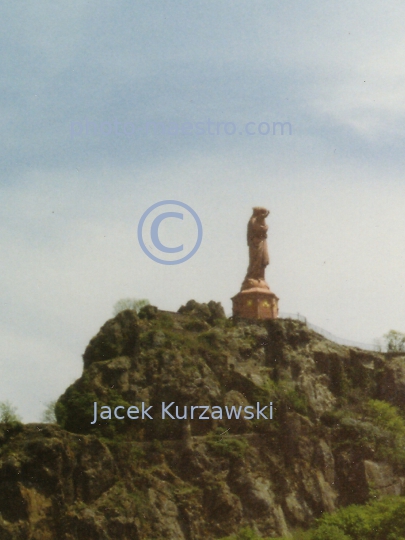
[{"x": 378, "y": 520}]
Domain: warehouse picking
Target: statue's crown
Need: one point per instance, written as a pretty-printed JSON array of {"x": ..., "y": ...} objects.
[{"x": 260, "y": 210}]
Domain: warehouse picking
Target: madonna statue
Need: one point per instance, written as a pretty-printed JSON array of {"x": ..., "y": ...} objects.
[{"x": 258, "y": 252}]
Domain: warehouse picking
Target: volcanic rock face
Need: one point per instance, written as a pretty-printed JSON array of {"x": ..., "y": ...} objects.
[{"x": 193, "y": 479}]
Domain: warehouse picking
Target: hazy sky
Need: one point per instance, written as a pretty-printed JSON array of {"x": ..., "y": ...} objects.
[{"x": 72, "y": 198}]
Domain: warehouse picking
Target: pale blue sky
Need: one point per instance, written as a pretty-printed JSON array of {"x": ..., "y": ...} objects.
[{"x": 70, "y": 206}]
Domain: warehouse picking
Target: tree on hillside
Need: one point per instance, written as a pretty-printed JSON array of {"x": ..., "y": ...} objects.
[
  {"x": 8, "y": 413},
  {"x": 395, "y": 341},
  {"x": 130, "y": 303},
  {"x": 49, "y": 416}
]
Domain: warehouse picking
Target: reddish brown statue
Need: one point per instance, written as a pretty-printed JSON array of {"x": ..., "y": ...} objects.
[
  {"x": 258, "y": 252},
  {"x": 256, "y": 301}
]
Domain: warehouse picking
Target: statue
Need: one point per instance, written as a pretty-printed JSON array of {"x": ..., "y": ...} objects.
[
  {"x": 255, "y": 300},
  {"x": 258, "y": 252}
]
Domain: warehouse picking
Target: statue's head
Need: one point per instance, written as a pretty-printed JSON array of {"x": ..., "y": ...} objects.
[{"x": 260, "y": 211}]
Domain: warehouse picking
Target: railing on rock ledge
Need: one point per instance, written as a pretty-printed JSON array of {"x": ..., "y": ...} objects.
[{"x": 365, "y": 346}]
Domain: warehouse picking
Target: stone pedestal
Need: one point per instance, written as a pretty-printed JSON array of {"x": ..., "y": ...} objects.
[{"x": 255, "y": 303}]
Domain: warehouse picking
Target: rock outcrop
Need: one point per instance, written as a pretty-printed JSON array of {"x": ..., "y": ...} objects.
[{"x": 326, "y": 446}]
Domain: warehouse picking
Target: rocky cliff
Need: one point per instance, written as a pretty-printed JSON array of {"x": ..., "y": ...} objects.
[{"x": 336, "y": 436}]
